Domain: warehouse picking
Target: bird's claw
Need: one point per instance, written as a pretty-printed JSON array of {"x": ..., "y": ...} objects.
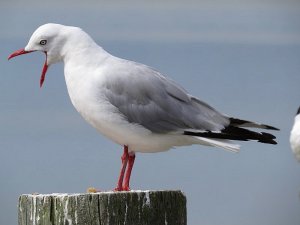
[{"x": 122, "y": 189}]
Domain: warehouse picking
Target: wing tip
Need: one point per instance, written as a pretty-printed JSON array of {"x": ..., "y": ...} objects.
[
  {"x": 235, "y": 133},
  {"x": 245, "y": 123}
]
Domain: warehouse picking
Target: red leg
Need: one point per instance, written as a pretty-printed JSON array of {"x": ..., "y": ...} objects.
[
  {"x": 131, "y": 159},
  {"x": 124, "y": 158}
]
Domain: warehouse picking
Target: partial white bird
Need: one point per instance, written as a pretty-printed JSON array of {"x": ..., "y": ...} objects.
[
  {"x": 133, "y": 104},
  {"x": 295, "y": 136}
]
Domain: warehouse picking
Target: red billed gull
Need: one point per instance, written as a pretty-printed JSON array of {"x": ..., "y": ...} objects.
[
  {"x": 295, "y": 136},
  {"x": 132, "y": 104}
]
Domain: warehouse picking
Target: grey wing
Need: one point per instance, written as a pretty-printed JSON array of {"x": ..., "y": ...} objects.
[{"x": 147, "y": 98}]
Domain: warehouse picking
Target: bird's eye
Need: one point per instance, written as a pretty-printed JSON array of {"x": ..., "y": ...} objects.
[{"x": 43, "y": 42}]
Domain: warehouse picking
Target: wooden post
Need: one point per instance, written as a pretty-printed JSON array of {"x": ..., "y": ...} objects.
[{"x": 104, "y": 208}]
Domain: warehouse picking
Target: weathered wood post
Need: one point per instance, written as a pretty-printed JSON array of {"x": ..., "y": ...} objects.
[{"x": 104, "y": 208}]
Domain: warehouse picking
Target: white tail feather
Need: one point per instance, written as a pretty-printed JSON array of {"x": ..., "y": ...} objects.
[{"x": 220, "y": 143}]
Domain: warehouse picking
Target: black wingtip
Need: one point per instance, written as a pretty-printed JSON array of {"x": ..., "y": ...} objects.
[
  {"x": 245, "y": 123},
  {"x": 268, "y": 127},
  {"x": 298, "y": 111},
  {"x": 268, "y": 135},
  {"x": 236, "y": 133},
  {"x": 269, "y": 142}
]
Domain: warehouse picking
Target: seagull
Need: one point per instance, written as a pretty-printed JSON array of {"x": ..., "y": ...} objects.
[
  {"x": 133, "y": 104},
  {"x": 295, "y": 136}
]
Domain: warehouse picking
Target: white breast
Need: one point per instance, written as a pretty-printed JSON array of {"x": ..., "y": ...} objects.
[{"x": 84, "y": 88}]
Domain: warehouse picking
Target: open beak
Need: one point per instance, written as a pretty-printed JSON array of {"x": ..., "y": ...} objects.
[{"x": 22, "y": 52}]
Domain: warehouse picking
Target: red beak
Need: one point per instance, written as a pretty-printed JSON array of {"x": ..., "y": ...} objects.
[
  {"x": 18, "y": 52},
  {"x": 22, "y": 52}
]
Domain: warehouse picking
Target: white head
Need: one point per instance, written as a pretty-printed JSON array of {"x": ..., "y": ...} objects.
[{"x": 54, "y": 40}]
